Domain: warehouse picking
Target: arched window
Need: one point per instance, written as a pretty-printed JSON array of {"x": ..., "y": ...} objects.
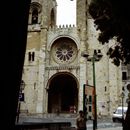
[
  {"x": 35, "y": 10},
  {"x": 52, "y": 21},
  {"x": 35, "y": 16}
]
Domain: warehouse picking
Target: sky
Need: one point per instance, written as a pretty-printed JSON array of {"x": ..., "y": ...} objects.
[{"x": 66, "y": 12}]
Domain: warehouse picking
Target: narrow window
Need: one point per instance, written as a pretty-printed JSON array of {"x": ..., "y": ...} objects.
[
  {"x": 90, "y": 99},
  {"x": 33, "y": 56},
  {"x": 90, "y": 108},
  {"x": 95, "y": 51},
  {"x": 35, "y": 16},
  {"x": 105, "y": 88},
  {"x": 29, "y": 56},
  {"x": 124, "y": 76},
  {"x": 99, "y": 51},
  {"x": 52, "y": 22}
]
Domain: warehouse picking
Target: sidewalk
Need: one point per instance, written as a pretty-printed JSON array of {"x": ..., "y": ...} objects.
[
  {"x": 114, "y": 128},
  {"x": 102, "y": 125}
]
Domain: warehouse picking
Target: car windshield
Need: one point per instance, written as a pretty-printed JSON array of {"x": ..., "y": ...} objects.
[{"x": 119, "y": 111}]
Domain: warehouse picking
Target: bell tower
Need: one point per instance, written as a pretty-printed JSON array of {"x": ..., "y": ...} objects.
[{"x": 81, "y": 13}]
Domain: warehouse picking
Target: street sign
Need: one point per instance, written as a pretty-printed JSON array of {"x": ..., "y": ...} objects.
[
  {"x": 89, "y": 101},
  {"x": 21, "y": 97}
]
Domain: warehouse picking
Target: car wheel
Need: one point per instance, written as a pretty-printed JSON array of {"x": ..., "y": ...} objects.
[{"x": 114, "y": 120}]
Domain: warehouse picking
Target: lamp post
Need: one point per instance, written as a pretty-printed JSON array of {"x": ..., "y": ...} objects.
[
  {"x": 95, "y": 57},
  {"x": 22, "y": 86},
  {"x": 95, "y": 95},
  {"x": 126, "y": 125},
  {"x": 128, "y": 88},
  {"x": 122, "y": 96}
]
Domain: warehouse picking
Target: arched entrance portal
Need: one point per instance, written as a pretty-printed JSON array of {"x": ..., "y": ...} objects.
[{"x": 62, "y": 93}]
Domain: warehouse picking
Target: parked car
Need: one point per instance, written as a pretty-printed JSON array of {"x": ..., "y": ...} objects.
[{"x": 117, "y": 115}]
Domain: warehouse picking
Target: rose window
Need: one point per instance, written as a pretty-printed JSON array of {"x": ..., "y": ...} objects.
[{"x": 64, "y": 53}]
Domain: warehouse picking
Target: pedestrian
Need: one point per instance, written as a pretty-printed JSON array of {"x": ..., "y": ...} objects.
[
  {"x": 99, "y": 115},
  {"x": 81, "y": 121},
  {"x": 74, "y": 109}
]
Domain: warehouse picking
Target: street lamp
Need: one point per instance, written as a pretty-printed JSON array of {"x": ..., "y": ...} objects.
[
  {"x": 128, "y": 88},
  {"x": 22, "y": 86},
  {"x": 122, "y": 96},
  {"x": 95, "y": 57}
]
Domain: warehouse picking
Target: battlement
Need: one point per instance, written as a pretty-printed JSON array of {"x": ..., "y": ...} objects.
[{"x": 62, "y": 27}]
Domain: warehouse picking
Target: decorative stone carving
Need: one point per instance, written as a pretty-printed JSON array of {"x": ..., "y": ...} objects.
[{"x": 64, "y": 52}]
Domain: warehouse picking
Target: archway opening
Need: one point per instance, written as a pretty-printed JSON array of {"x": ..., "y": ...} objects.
[{"x": 62, "y": 94}]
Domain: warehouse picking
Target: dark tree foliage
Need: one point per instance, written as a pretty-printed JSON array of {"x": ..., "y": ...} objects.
[{"x": 112, "y": 18}]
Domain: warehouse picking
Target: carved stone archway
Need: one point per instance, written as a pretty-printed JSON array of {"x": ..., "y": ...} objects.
[{"x": 62, "y": 93}]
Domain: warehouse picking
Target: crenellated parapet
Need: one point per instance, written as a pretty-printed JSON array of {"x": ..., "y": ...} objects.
[
  {"x": 63, "y": 27},
  {"x": 56, "y": 32},
  {"x": 38, "y": 27}
]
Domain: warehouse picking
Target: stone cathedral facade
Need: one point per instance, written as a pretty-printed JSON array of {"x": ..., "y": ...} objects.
[{"x": 55, "y": 71}]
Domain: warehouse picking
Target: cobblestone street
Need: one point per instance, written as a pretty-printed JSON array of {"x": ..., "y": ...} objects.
[
  {"x": 102, "y": 124},
  {"x": 105, "y": 124}
]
